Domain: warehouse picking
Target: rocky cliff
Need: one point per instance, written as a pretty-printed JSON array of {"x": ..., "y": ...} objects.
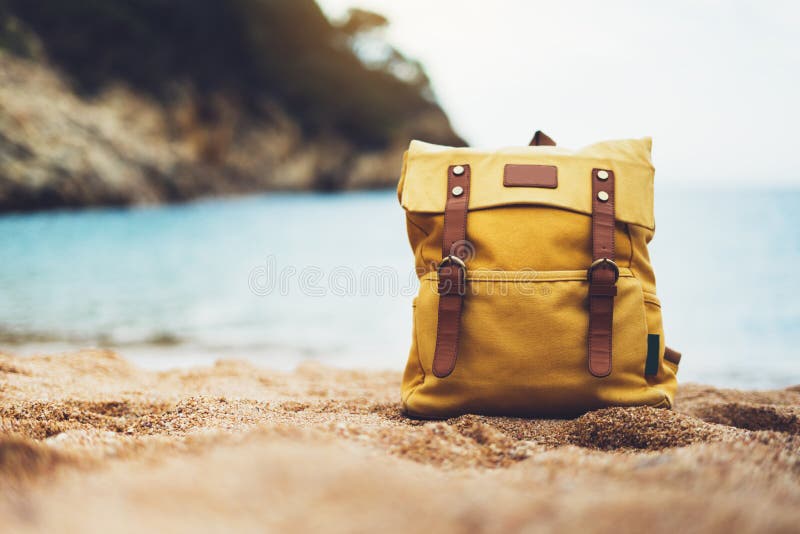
[{"x": 115, "y": 140}]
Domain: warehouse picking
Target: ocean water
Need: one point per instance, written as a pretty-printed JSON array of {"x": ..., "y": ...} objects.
[{"x": 282, "y": 278}]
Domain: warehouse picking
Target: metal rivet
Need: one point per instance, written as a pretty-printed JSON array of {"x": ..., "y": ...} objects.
[
  {"x": 458, "y": 170},
  {"x": 457, "y": 191},
  {"x": 602, "y": 175},
  {"x": 603, "y": 196}
]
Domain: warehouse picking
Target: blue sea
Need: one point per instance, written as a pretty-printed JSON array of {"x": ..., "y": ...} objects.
[{"x": 283, "y": 278}]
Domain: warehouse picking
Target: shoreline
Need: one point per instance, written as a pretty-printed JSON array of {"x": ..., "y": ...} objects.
[{"x": 239, "y": 446}]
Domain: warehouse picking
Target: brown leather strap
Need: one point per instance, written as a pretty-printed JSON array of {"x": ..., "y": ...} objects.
[
  {"x": 452, "y": 270},
  {"x": 541, "y": 139},
  {"x": 672, "y": 355},
  {"x": 602, "y": 274}
]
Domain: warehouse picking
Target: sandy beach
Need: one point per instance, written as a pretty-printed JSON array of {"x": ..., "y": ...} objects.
[{"x": 90, "y": 442}]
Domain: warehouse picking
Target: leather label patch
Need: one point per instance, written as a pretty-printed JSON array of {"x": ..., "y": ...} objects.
[
  {"x": 651, "y": 364},
  {"x": 530, "y": 176}
]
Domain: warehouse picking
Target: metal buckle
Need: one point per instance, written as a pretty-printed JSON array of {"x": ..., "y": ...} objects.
[
  {"x": 601, "y": 261},
  {"x": 446, "y": 285},
  {"x": 452, "y": 259}
]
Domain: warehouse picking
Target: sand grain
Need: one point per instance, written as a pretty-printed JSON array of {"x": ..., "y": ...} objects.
[{"x": 89, "y": 442}]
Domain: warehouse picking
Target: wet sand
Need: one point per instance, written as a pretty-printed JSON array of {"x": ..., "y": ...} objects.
[{"x": 89, "y": 442}]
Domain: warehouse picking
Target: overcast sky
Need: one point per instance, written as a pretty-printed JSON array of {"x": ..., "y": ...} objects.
[{"x": 715, "y": 83}]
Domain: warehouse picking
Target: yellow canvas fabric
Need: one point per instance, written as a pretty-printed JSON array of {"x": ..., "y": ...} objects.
[{"x": 523, "y": 338}]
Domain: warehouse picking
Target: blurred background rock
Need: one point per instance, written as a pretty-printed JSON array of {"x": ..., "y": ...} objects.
[{"x": 116, "y": 102}]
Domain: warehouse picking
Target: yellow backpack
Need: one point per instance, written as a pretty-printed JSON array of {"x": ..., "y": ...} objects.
[{"x": 537, "y": 296}]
